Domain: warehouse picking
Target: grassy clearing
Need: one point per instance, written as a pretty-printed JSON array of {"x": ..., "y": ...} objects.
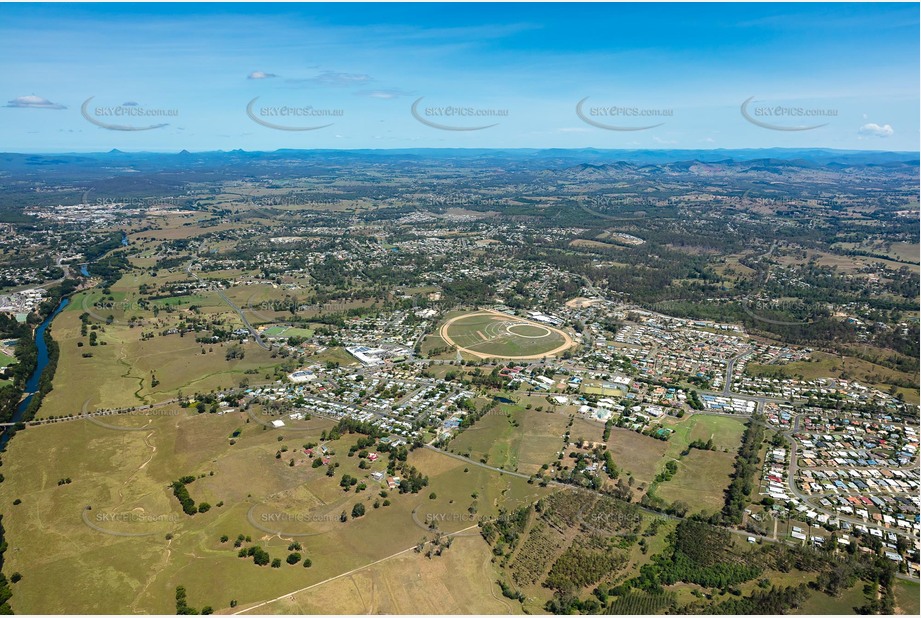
[
  {"x": 535, "y": 440},
  {"x": 907, "y": 598},
  {"x": 637, "y": 454},
  {"x": 725, "y": 431},
  {"x": 701, "y": 478},
  {"x": 821, "y": 603}
]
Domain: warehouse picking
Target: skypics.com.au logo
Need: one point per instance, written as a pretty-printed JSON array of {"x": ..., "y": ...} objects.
[
  {"x": 450, "y": 113},
  {"x": 129, "y": 116},
  {"x": 618, "y": 115},
  {"x": 274, "y": 116},
  {"x": 783, "y": 117}
]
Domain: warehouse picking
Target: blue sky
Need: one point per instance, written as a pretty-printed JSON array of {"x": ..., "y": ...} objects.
[{"x": 815, "y": 75}]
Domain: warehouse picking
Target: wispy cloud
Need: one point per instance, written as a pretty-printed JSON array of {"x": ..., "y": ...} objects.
[
  {"x": 260, "y": 75},
  {"x": 386, "y": 93},
  {"x": 335, "y": 79},
  {"x": 34, "y": 102}
]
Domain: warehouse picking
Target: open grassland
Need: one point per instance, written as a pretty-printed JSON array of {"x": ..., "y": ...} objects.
[
  {"x": 122, "y": 368},
  {"x": 513, "y": 438},
  {"x": 850, "y": 264},
  {"x": 125, "y": 476},
  {"x": 461, "y": 581},
  {"x": 6, "y": 361},
  {"x": 702, "y": 475},
  {"x": 287, "y": 331}
]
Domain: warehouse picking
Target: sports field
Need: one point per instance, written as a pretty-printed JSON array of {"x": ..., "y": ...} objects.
[
  {"x": 287, "y": 331},
  {"x": 491, "y": 334}
]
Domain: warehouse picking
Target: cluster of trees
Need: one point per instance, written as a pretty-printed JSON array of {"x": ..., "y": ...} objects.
[
  {"x": 489, "y": 380},
  {"x": 746, "y": 466},
  {"x": 510, "y": 593},
  {"x": 474, "y": 415},
  {"x": 350, "y": 425},
  {"x": 700, "y": 445},
  {"x": 671, "y": 468},
  {"x": 182, "y": 494},
  {"x": 108, "y": 242},
  {"x": 698, "y": 553},
  {"x": 260, "y": 556},
  {"x": 506, "y": 528},
  {"x": 777, "y": 601},
  {"x": 109, "y": 268},
  {"x": 182, "y": 605},
  {"x": 609, "y": 465},
  {"x": 578, "y": 567},
  {"x": 413, "y": 481},
  {"x": 5, "y": 592}
]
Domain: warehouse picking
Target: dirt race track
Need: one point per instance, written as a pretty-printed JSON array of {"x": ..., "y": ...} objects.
[{"x": 515, "y": 320}]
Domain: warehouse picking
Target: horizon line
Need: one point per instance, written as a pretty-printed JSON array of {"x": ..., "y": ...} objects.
[{"x": 466, "y": 149}]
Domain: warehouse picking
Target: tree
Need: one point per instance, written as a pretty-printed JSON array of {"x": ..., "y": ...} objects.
[{"x": 358, "y": 510}]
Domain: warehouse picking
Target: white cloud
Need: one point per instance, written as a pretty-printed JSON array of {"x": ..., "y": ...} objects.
[
  {"x": 260, "y": 75},
  {"x": 34, "y": 102},
  {"x": 875, "y": 130}
]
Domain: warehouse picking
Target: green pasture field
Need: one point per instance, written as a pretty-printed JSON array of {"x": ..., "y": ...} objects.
[
  {"x": 701, "y": 478},
  {"x": 536, "y": 441}
]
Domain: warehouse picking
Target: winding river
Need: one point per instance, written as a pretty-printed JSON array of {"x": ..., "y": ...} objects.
[{"x": 42, "y": 362}]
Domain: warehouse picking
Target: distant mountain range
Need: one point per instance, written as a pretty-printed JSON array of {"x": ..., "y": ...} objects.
[{"x": 113, "y": 162}]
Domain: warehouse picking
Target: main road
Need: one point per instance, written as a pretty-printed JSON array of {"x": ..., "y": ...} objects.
[{"x": 256, "y": 337}]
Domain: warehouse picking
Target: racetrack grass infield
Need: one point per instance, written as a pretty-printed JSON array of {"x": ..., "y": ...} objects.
[{"x": 491, "y": 334}]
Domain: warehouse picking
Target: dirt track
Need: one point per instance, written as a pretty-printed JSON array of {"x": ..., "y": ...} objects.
[{"x": 567, "y": 340}]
